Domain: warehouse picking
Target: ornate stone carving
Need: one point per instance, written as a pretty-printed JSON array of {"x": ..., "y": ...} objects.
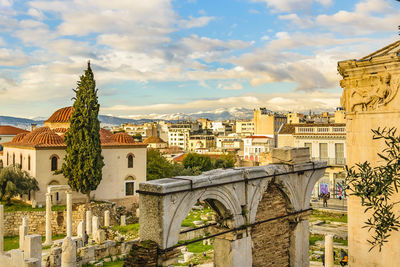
[{"x": 369, "y": 93}]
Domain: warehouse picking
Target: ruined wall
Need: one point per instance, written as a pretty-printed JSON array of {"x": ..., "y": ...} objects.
[
  {"x": 271, "y": 239},
  {"x": 37, "y": 219}
]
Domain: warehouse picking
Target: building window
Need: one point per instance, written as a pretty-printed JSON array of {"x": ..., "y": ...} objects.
[
  {"x": 7, "y": 158},
  {"x": 20, "y": 160},
  {"x": 54, "y": 163},
  {"x": 309, "y": 145},
  {"x": 29, "y": 163},
  {"x": 13, "y": 159},
  {"x": 323, "y": 151},
  {"x": 339, "y": 153},
  {"x": 130, "y": 185},
  {"x": 130, "y": 160}
]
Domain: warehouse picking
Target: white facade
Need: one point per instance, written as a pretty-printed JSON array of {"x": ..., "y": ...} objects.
[
  {"x": 256, "y": 145},
  {"x": 116, "y": 173}
]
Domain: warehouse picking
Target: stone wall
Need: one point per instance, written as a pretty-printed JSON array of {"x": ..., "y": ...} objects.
[
  {"x": 37, "y": 219},
  {"x": 271, "y": 239}
]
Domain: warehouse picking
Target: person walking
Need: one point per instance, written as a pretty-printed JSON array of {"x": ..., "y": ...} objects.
[{"x": 325, "y": 200}]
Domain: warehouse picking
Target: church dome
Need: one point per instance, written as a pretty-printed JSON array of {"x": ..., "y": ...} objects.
[
  {"x": 48, "y": 138},
  {"x": 123, "y": 138},
  {"x": 18, "y": 137},
  {"x": 61, "y": 115},
  {"x": 106, "y": 136},
  {"x": 30, "y": 137}
]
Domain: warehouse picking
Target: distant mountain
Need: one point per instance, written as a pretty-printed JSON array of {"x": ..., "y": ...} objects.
[
  {"x": 19, "y": 122},
  {"x": 217, "y": 114}
]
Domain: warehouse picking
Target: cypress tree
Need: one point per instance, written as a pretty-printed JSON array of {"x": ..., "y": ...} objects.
[{"x": 84, "y": 162}]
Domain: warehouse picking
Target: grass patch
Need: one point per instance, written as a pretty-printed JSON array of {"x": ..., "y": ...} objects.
[
  {"x": 12, "y": 242},
  {"x": 314, "y": 238},
  {"x": 130, "y": 229},
  {"x": 114, "y": 264},
  {"x": 195, "y": 215},
  {"x": 18, "y": 205},
  {"x": 328, "y": 217},
  {"x": 198, "y": 248}
]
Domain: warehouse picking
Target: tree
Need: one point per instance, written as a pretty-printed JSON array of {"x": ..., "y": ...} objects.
[
  {"x": 225, "y": 161},
  {"x": 14, "y": 181},
  {"x": 375, "y": 186},
  {"x": 193, "y": 160},
  {"x": 83, "y": 161},
  {"x": 159, "y": 167}
]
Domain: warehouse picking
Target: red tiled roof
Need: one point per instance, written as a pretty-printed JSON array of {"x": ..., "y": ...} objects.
[
  {"x": 61, "y": 115},
  {"x": 46, "y": 137},
  {"x": 11, "y": 130},
  {"x": 123, "y": 138},
  {"x": 153, "y": 140},
  {"x": 258, "y": 136}
]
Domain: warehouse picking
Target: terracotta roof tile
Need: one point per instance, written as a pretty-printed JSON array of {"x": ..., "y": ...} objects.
[
  {"x": 11, "y": 130},
  {"x": 61, "y": 115},
  {"x": 153, "y": 140}
]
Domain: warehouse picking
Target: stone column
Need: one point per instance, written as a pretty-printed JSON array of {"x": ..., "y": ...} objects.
[
  {"x": 25, "y": 221},
  {"x": 80, "y": 231},
  {"x": 123, "y": 220},
  {"x": 107, "y": 218},
  {"x": 299, "y": 244},
  {"x": 68, "y": 256},
  {"x": 89, "y": 222},
  {"x": 233, "y": 249},
  {"x": 69, "y": 214},
  {"x": 33, "y": 247},
  {"x": 95, "y": 224},
  {"x": 329, "y": 250},
  {"x": 23, "y": 231},
  {"x": 1, "y": 229},
  {"x": 48, "y": 241}
]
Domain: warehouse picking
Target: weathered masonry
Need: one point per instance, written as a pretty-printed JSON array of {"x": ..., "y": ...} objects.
[{"x": 262, "y": 211}]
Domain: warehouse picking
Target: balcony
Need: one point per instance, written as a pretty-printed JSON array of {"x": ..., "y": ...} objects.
[{"x": 332, "y": 161}]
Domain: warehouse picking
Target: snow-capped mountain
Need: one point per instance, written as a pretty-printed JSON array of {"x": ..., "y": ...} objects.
[
  {"x": 217, "y": 114},
  {"x": 106, "y": 120}
]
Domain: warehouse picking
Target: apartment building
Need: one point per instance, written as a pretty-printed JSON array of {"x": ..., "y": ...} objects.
[
  {"x": 327, "y": 142},
  {"x": 245, "y": 127},
  {"x": 256, "y": 145}
]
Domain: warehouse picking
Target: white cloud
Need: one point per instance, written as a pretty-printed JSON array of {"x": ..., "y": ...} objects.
[
  {"x": 280, "y": 102},
  {"x": 292, "y": 5},
  {"x": 195, "y": 22},
  {"x": 231, "y": 86},
  {"x": 369, "y": 16}
]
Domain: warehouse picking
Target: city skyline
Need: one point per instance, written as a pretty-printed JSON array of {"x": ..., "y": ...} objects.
[{"x": 185, "y": 56}]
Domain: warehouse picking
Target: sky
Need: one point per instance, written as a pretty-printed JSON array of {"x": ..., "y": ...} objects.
[{"x": 160, "y": 56}]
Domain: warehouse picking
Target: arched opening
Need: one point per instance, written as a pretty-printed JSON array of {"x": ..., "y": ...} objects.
[
  {"x": 54, "y": 162},
  {"x": 20, "y": 160},
  {"x": 13, "y": 160},
  {"x": 55, "y": 196},
  {"x": 130, "y": 186},
  {"x": 130, "y": 160},
  {"x": 271, "y": 240},
  {"x": 29, "y": 162},
  {"x": 8, "y": 156}
]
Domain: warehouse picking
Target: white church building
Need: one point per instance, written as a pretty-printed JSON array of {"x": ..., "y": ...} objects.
[{"x": 41, "y": 152}]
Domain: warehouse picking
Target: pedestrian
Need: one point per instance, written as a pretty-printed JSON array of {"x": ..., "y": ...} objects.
[
  {"x": 325, "y": 200},
  {"x": 191, "y": 264},
  {"x": 344, "y": 258}
]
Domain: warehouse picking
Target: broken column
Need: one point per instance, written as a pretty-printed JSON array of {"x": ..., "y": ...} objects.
[
  {"x": 123, "y": 220},
  {"x": 329, "y": 251},
  {"x": 80, "y": 231},
  {"x": 33, "y": 247},
  {"x": 89, "y": 222},
  {"x": 69, "y": 214},
  {"x": 1, "y": 229},
  {"x": 23, "y": 231},
  {"x": 233, "y": 249},
  {"x": 95, "y": 225},
  {"x": 68, "y": 256},
  {"x": 107, "y": 218},
  {"x": 48, "y": 241}
]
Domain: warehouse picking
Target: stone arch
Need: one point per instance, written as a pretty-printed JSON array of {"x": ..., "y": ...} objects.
[
  {"x": 269, "y": 236},
  {"x": 224, "y": 201}
]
